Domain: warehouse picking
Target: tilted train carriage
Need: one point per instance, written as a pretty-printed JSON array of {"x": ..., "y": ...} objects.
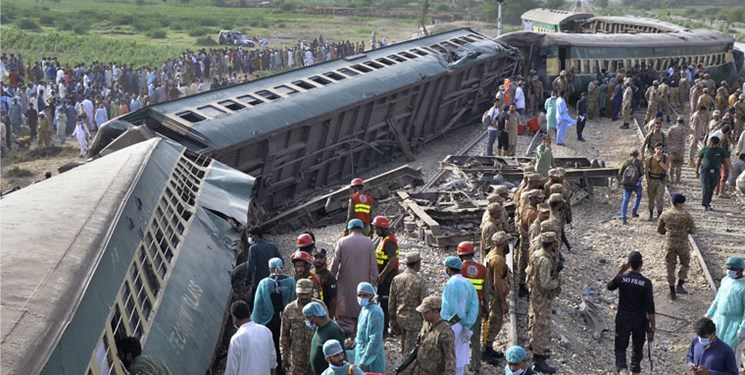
[
  {"x": 136, "y": 243},
  {"x": 320, "y": 126}
]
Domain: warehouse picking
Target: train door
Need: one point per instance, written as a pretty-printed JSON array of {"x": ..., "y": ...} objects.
[{"x": 563, "y": 52}]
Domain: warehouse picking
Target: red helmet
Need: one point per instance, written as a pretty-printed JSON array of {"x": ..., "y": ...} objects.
[
  {"x": 465, "y": 248},
  {"x": 302, "y": 255},
  {"x": 357, "y": 182},
  {"x": 380, "y": 222},
  {"x": 304, "y": 240}
]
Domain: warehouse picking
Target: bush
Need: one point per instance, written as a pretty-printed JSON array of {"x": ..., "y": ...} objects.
[
  {"x": 81, "y": 28},
  {"x": 28, "y": 24},
  {"x": 165, "y": 22},
  {"x": 206, "y": 41},
  {"x": 199, "y": 31},
  {"x": 122, "y": 19},
  {"x": 20, "y": 172},
  {"x": 47, "y": 20},
  {"x": 157, "y": 34}
]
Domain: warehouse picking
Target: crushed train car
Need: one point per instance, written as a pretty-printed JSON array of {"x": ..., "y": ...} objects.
[
  {"x": 319, "y": 126},
  {"x": 136, "y": 243}
]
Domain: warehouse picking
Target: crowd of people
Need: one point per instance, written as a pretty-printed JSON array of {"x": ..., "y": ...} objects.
[{"x": 39, "y": 99}]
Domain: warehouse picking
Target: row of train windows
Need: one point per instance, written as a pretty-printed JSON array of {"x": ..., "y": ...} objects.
[
  {"x": 618, "y": 28},
  {"x": 153, "y": 260},
  {"x": 278, "y": 92},
  {"x": 593, "y": 66}
]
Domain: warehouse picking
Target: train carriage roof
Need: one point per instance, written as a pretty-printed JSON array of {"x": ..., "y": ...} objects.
[
  {"x": 355, "y": 85},
  {"x": 694, "y": 37},
  {"x": 640, "y": 21},
  {"x": 53, "y": 233},
  {"x": 553, "y": 16}
]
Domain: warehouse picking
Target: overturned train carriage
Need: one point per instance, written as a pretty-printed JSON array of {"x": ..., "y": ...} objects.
[
  {"x": 319, "y": 126},
  {"x": 136, "y": 243}
]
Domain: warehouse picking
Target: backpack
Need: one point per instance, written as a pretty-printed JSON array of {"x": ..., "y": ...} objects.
[{"x": 630, "y": 176}]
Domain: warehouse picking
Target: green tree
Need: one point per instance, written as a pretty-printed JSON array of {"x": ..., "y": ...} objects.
[
  {"x": 602, "y": 3},
  {"x": 554, "y": 4}
]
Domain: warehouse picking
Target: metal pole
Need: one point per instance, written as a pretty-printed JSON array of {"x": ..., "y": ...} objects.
[{"x": 499, "y": 18}]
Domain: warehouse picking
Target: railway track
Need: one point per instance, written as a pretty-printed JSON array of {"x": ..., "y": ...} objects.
[{"x": 719, "y": 234}]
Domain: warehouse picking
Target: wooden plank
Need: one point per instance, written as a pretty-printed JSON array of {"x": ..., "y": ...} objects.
[
  {"x": 410, "y": 203},
  {"x": 401, "y": 140}
]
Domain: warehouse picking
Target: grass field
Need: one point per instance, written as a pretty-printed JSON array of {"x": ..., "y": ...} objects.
[{"x": 88, "y": 30}]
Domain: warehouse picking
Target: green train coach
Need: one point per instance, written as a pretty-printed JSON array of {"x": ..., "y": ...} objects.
[{"x": 590, "y": 54}]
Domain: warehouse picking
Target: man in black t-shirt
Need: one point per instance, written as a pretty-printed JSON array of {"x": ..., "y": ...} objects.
[
  {"x": 327, "y": 279},
  {"x": 635, "y": 315}
]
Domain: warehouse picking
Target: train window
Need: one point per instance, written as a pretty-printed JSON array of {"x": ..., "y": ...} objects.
[
  {"x": 595, "y": 66},
  {"x": 438, "y": 48},
  {"x": 457, "y": 41},
  {"x": 479, "y": 37},
  {"x": 420, "y": 52},
  {"x": 211, "y": 110},
  {"x": 408, "y": 55},
  {"x": 430, "y": 50},
  {"x": 396, "y": 58},
  {"x": 231, "y": 105},
  {"x": 446, "y": 44},
  {"x": 577, "y": 65},
  {"x": 385, "y": 61},
  {"x": 268, "y": 94},
  {"x": 150, "y": 278},
  {"x": 468, "y": 39},
  {"x": 373, "y": 64},
  {"x": 250, "y": 99},
  {"x": 190, "y": 116},
  {"x": 613, "y": 66},
  {"x": 303, "y": 84},
  {"x": 361, "y": 68},
  {"x": 334, "y": 75},
  {"x": 284, "y": 89},
  {"x": 586, "y": 66},
  {"x": 349, "y": 72}
]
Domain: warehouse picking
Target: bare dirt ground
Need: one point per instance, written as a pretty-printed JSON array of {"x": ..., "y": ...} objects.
[{"x": 23, "y": 167}]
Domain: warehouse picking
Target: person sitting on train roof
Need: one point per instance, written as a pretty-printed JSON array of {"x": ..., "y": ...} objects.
[{"x": 129, "y": 352}]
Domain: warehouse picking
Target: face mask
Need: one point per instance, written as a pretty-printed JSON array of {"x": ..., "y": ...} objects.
[
  {"x": 732, "y": 274},
  {"x": 310, "y": 325},
  {"x": 363, "y": 301},
  {"x": 507, "y": 371},
  {"x": 335, "y": 367},
  {"x": 251, "y": 241},
  {"x": 704, "y": 341}
]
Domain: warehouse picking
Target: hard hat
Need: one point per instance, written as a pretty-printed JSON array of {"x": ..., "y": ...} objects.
[
  {"x": 303, "y": 256},
  {"x": 304, "y": 240},
  {"x": 357, "y": 182},
  {"x": 465, "y": 248},
  {"x": 380, "y": 222}
]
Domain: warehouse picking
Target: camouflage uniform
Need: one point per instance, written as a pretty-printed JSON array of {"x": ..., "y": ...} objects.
[
  {"x": 436, "y": 354},
  {"x": 499, "y": 284},
  {"x": 695, "y": 93},
  {"x": 664, "y": 93},
  {"x": 537, "y": 91},
  {"x": 683, "y": 88},
  {"x": 527, "y": 217},
  {"x": 721, "y": 99},
  {"x": 698, "y": 128},
  {"x": 655, "y": 183},
  {"x": 560, "y": 83},
  {"x": 707, "y": 101},
  {"x": 295, "y": 338},
  {"x": 544, "y": 284},
  {"x": 626, "y": 104},
  {"x": 408, "y": 289},
  {"x": 490, "y": 226},
  {"x": 593, "y": 97},
  {"x": 651, "y": 141},
  {"x": 739, "y": 116},
  {"x": 676, "y": 143},
  {"x": 676, "y": 224},
  {"x": 653, "y": 100}
]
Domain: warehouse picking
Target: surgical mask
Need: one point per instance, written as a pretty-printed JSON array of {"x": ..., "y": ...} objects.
[
  {"x": 732, "y": 274},
  {"x": 251, "y": 241},
  {"x": 335, "y": 367},
  {"x": 704, "y": 341},
  {"x": 363, "y": 301},
  {"x": 507, "y": 371},
  {"x": 310, "y": 325}
]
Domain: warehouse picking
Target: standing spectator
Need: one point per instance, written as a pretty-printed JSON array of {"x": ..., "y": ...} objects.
[
  {"x": 631, "y": 173},
  {"x": 676, "y": 141},
  {"x": 81, "y": 133},
  {"x": 101, "y": 115},
  {"x": 408, "y": 290},
  {"x": 87, "y": 105},
  {"x": 544, "y": 157},
  {"x": 656, "y": 167},
  {"x": 32, "y": 119},
  {"x": 709, "y": 355},
  {"x": 728, "y": 309},
  {"x": 460, "y": 306},
  {"x": 354, "y": 262},
  {"x": 45, "y": 131},
  {"x": 257, "y": 264},
  {"x": 520, "y": 98},
  {"x": 295, "y": 336},
  {"x": 550, "y": 106},
  {"x": 316, "y": 318},
  {"x": 334, "y": 355},
  {"x": 512, "y": 121},
  {"x": 581, "y": 115},
  {"x": 563, "y": 119},
  {"x": 676, "y": 224},
  {"x": 368, "y": 341},
  {"x": 489, "y": 119},
  {"x": 16, "y": 115},
  {"x": 327, "y": 279},
  {"x": 129, "y": 352},
  {"x": 249, "y": 346},
  {"x": 272, "y": 295},
  {"x": 708, "y": 168},
  {"x": 636, "y": 315},
  {"x": 61, "y": 117}
]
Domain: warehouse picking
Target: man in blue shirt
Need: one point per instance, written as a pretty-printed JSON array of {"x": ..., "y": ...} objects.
[{"x": 709, "y": 355}]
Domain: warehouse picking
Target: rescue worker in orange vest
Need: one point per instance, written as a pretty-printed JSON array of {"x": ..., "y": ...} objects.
[
  {"x": 476, "y": 274},
  {"x": 386, "y": 255},
  {"x": 360, "y": 205},
  {"x": 302, "y": 262}
]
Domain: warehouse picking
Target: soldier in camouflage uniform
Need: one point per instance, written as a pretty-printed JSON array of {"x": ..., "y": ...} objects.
[
  {"x": 698, "y": 129},
  {"x": 676, "y": 224},
  {"x": 527, "y": 217},
  {"x": 684, "y": 87},
  {"x": 560, "y": 83},
  {"x": 722, "y": 96},
  {"x": 408, "y": 290},
  {"x": 626, "y": 98},
  {"x": 655, "y": 137},
  {"x": 708, "y": 82},
  {"x": 534, "y": 232},
  {"x": 656, "y": 168},
  {"x": 496, "y": 221},
  {"x": 500, "y": 284},
  {"x": 536, "y": 89},
  {"x": 593, "y": 99},
  {"x": 664, "y": 92},
  {"x": 436, "y": 341},
  {"x": 707, "y": 101},
  {"x": 653, "y": 100},
  {"x": 556, "y": 220},
  {"x": 544, "y": 284},
  {"x": 294, "y": 335},
  {"x": 676, "y": 143},
  {"x": 739, "y": 116}
]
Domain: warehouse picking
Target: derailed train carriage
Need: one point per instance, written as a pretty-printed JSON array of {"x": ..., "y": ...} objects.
[
  {"x": 591, "y": 54},
  {"x": 316, "y": 127},
  {"x": 136, "y": 243}
]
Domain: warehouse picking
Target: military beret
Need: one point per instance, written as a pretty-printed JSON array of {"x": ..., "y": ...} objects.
[
  {"x": 548, "y": 237},
  {"x": 678, "y": 198},
  {"x": 555, "y": 197},
  {"x": 430, "y": 303},
  {"x": 501, "y": 237},
  {"x": 412, "y": 258},
  {"x": 493, "y": 208}
]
